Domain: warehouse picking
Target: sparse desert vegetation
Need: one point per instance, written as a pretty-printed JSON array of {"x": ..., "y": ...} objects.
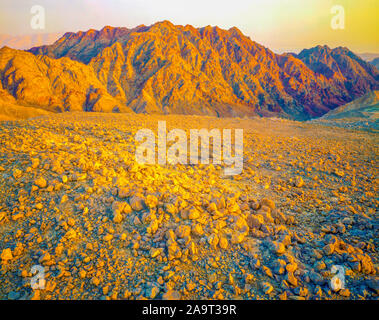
[{"x": 73, "y": 199}]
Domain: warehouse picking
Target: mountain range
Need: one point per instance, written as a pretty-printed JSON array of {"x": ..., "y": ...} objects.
[
  {"x": 367, "y": 56},
  {"x": 166, "y": 68}
]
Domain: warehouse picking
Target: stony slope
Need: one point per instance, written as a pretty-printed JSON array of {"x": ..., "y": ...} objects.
[
  {"x": 74, "y": 200},
  {"x": 14, "y": 111},
  {"x": 366, "y": 106},
  {"x": 361, "y": 113}
]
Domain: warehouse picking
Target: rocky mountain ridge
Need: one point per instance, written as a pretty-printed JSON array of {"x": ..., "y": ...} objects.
[{"x": 171, "y": 69}]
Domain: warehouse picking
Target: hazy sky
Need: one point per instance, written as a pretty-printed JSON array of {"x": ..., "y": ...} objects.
[{"x": 279, "y": 24}]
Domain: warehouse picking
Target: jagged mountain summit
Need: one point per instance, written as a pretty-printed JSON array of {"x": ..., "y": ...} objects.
[{"x": 168, "y": 69}]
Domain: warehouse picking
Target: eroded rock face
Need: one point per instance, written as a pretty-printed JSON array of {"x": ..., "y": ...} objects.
[
  {"x": 51, "y": 84},
  {"x": 165, "y": 68}
]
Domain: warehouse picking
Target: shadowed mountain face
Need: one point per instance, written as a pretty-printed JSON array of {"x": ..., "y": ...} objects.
[
  {"x": 375, "y": 63},
  {"x": 341, "y": 64},
  {"x": 165, "y": 68},
  {"x": 365, "y": 107}
]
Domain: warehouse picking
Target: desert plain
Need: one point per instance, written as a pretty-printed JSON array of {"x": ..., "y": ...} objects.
[{"x": 74, "y": 201}]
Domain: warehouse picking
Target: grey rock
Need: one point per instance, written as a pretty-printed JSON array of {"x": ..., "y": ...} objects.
[
  {"x": 13, "y": 295},
  {"x": 373, "y": 284}
]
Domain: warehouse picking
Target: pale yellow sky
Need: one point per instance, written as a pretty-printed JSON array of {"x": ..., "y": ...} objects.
[{"x": 282, "y": 25}]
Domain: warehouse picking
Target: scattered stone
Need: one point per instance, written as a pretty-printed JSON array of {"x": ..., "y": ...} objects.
[
  {"x": 151, "y": 201},
  {"x": 328, "y": 249},
  {"x": 213, "y": 240},
  {"x": 291, "y": 279},
  {"x": 197, "y": 230},
  {"x": 194, "y": 214},
  {"x": 6, "y": 255},
  {"x": 155, "y": 252},
  {"x": 13, "y": 295},
  {"x": 373, "y": 284},
  {"x": 278, "y": 247},
  {"x": 117, "y": 217},
  {"x": 267, "y": 288},
  {"x": 223, "y": 243},
  {"x": 183, "y": 231},
  {"x": 136, "y": 203},
  {"x": 171, "y": 295},
  {"x": 152, "y": 292},
  {"x": 40, "y": 182},
  {"x": 17, "y": 173},
  {"x": 345, "y": 292},
  {"x": 299, "y": 182},
  {"x": 255, "y": 221},
  {"x": 268, "y": 203},
  {"x": 123, "y": 192}
]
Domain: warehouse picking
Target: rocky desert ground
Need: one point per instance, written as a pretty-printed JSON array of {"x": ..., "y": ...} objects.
[{"x": 73, "y": 200}]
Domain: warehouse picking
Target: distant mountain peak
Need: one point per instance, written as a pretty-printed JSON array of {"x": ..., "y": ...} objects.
[{"x": 28, "y": 40}]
